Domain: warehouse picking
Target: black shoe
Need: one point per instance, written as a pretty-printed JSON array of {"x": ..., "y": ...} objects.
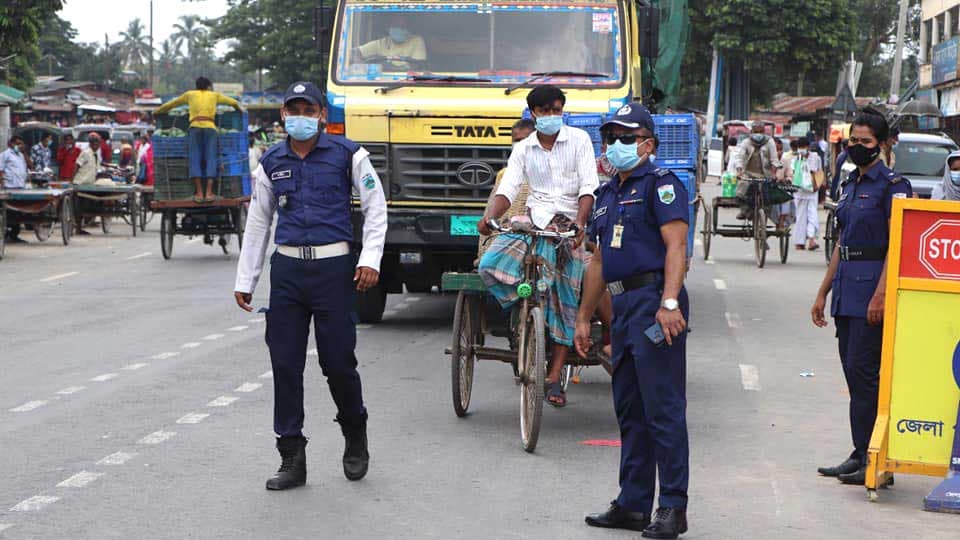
[
  {"x": 849, "y": 466},
  {"x": 356, "y": 457},
  {"x": 618, "y": 517},
  {"x": 668, "y": 523},
  {"x": 856, "y": 478},
  {"x": 293, "y": 467}
]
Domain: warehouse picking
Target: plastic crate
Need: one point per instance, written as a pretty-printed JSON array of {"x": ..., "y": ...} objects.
[
  {"x": 233, "y": 144},
  {"x": 235, "y": 120},
  {"x": 689, "y": 179},
  {"x": 679, "y": 136},
  {"x": 169, "y": 147},
  {"x": 168, "y": 169},
  {"x": 583, "y": 120},
  {"x": 236, "y": 167},
  {"x": 182, "y": 189}
]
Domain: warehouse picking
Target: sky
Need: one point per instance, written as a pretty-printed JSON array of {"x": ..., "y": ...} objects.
[{"x": 92, "y": 18}]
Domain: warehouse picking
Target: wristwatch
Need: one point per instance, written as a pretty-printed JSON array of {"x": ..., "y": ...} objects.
[{"x": 670, "y": 304}]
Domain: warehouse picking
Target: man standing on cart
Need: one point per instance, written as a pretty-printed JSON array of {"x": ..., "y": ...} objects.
[{"x": 307, "y": 181}]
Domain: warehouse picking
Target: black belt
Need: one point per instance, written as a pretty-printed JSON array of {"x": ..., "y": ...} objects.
[
  {"x": 853, "y": 253},
  {"x": 635, "y": 281}
]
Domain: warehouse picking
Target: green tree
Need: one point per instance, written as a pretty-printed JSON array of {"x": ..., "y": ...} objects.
[
  {"x": 191, "y": 32},
  {"x": 20, "y": 27},
  {"x": 59, "y": 53},
  {"x": 135, "y": 46}
]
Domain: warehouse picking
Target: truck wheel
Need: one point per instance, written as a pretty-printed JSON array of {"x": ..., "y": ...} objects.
[{"x": 370, "y": 304}]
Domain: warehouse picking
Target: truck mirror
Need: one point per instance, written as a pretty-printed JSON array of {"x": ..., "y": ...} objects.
[{"x": 648, "y": 34}]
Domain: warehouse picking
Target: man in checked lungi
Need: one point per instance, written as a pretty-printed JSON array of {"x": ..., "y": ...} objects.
[{"x": 559, "y": 167}]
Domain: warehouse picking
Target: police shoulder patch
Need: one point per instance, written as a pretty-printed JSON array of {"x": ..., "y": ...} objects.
[
  {"x": 666, "y": 194},
  {"x": 599, "y": 212},
  {"x": 368, "y": 181},
  {"x": 661, "y": 172}
]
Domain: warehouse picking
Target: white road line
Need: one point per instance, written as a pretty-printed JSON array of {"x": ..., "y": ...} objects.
[
  {"x": 412, "y": 299},
  {"x": 80, "y": 479},
  {"x": 222, "y": 401},
  {"x": 157, "y": 437},
  {"x": 58, "y": 276},
  {"x": 192, "y": 418},
  {"x": 117, "y": 458},
  {"x": 5, "y": 526},
  {"x": 212, "y": 337},
  {"x": 312, "y": 352},
  {"x": 749, "y": 377},
  {"x": 190, "y": 345},
  {"x": 164, "y": 355},
  {"x": 237, "y": 328},
  {"x": 104, "y": 377},
  {"x": 34, "y": 503},
  {"x": 71, "y": 390},
  {"x": 364, "y": 326},
  {"x": 248, "y": 387},
  {"x": 720, "y": 284},
  {"x": 257, "y": 320},
  {"x": 136, "y": 366},
  {"x": 30, "y": 405},
  {"x": 733, "y": 320},
  {"x": 266, "y": 375},
  {"x": 140, "y": 256}
]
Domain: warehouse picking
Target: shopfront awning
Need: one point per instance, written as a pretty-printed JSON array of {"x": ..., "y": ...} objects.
[
  {"x": 96, "y": 108},
  {"x": 10, "y": 95}
]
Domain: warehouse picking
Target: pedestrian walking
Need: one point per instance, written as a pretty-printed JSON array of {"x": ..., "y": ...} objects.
[
  {"x": 640, "y": 224},
  {"x": 805, "y": 167},
  {"x": 857, "y": 276},
  {"x": 307, "y": 181}
]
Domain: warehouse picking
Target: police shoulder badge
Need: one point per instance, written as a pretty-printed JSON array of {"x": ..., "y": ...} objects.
[
  {"x": 368, "y": 181},
  {"x": 666, "y": 194}
]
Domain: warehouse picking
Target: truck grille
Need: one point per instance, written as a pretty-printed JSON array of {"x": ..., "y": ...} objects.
[{"x": 428, "y": 172}]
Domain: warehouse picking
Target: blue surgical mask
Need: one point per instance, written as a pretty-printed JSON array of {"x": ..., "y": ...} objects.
[
  {"x": 622, "y": 156},
  {"x": 955, "y": 177},
  {"x": 549, "y": 125},
  {"x": 399, "y": 35},
  {"x": 301, "y": 128}
]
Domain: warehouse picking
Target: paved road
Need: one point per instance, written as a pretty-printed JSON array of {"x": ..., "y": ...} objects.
[{"x": 136, "y": 402}]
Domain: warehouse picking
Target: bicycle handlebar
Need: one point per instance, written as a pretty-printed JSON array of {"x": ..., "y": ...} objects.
[{"x": 520, "y": 228}]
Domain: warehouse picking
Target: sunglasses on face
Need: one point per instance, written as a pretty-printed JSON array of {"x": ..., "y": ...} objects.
[{"x": 626, "y": 138}]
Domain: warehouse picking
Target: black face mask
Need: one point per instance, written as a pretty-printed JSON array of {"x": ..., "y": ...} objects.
[{"x": 861, "y": 156}]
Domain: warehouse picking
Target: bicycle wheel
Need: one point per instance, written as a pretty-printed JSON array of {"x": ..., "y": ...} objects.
[
  {"x": 532, "y": 377},
  {"x": 760, "y": 236},
  {"x": 707, "y": 231},
  {"x": 461, "y": 353},
  {"x": 134, "y": 209},
  {"x": 784, "y": 245},
  {"x": 168, "y": 228},
  {"x": 66, "y": 220}
]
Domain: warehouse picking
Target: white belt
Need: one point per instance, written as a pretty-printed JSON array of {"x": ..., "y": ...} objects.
[{"x": 309, "y": 253}]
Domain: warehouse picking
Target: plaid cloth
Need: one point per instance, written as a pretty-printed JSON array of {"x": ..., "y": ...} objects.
[{"x": 501, "y": 269}]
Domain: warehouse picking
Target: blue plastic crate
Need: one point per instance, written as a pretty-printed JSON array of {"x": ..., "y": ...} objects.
[
  {"x": 235, "y": 167},
  {"x": 689, "y": 180},
  {"x": 583, "y": 120},
  {"x": 245, "y": 183},
  {"x": 169, "y": 147},
  {"x": 679, "y": 136},
  {"x": 235, "y": 120}
]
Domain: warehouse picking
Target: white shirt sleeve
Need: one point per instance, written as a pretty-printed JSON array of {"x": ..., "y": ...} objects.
[
  {"x": 587, "y": 168},
  {"x": 513, "y": 178},
  {"x": 373, "y": 204},
  {"x": 256, "y": 235}
]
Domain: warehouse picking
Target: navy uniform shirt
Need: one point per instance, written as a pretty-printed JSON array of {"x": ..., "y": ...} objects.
[
  {"x": 650, "y": 198},
  {"x": 863, "y": 213}
]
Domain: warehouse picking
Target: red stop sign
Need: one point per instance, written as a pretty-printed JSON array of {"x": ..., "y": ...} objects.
[{"x": 940, "y": 249}]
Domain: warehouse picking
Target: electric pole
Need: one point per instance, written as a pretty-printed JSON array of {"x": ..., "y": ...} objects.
[
  {"x": 898, "y": 51},
  {"x": 151, "y": 44}
]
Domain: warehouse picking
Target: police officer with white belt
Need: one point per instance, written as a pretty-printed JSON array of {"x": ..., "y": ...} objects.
[
  {"x": 640, "y": 225},
  {"x": 308, "y": 181}
]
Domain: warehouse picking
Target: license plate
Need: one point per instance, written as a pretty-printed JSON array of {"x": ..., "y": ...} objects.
[{"x": 464, "y": 225}]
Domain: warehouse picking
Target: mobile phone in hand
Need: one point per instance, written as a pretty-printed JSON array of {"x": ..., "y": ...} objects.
[{"x": 655, "y": 334}]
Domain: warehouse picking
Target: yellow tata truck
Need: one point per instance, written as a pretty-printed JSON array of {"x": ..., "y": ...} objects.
[{"x": 431, "y": 89}]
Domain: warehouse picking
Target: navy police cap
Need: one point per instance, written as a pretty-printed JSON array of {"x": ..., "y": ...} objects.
[
  {"x": 304, "y": 90},
  {"x": 631, "y": 116}
]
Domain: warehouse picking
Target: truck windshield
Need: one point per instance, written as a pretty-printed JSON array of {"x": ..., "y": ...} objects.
[{"x": 500, "y": 44}]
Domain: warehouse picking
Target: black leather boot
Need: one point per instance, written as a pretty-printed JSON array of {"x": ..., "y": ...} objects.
[
  {"x": 356, "y": 458},
  {"x": 618, "y": 517},
  {"x": 667, "y": 523},
  {"x": 849, "y": 466},
  {"x": 293, "y": 465}
]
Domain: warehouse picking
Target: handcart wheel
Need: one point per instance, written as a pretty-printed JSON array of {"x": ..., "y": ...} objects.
[
  {"x": 462, "y": 357},
  {"x": 134, "y": 203},
  {"x": 42, "y": 231},
  {"x": 784, "y": 245},
  {"x": 105, "y": 224},
  {"x": 66, "y": 220},
  {"x": 145, "y": 214},
  {"x": 532, "y": 376},
  {"x": 3, "y": 230},
  {"x": 224, "y": 244},
  {"x": 760, "y": 236},
  {"x": 707, "y": 231},
  {"x": 829, "y": 236},
  {"x": 168, "y": 227}
]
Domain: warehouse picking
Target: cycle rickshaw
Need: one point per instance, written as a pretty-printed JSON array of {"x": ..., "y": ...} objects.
[{"x": 478, "y": 314}]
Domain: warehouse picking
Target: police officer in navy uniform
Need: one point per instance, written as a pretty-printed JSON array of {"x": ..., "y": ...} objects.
[
  {"x": 856, "y": 276},
  {"x": 308, "y": 180},
  {"x": 640, "y": 225}
]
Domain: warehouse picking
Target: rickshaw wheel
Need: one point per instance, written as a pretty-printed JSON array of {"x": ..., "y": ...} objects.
[
  {"x": 784, "y": 245},
  {"x": 532, "y": 377},
  {"x": 168, "y": 227},
  {"x": 42, "y": 231},
  {"x": 760, "y": 236},
  {"x": 66, "y": 220},
  {"x": 105, "y": 224},
  {"x": 134, "y": 211},
  {"x": 462, "y": 357},
  {"x": 707, "y": 231}
]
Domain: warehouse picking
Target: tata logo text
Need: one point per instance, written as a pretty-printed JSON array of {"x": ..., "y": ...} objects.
[{"x": 475, "y": 131}]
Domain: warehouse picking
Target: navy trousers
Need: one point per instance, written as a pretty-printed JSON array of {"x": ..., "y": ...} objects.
[
  {"x": 322, "y": 290},
  {"x": 860, "y": 346},
  {"x": 649, "y": 394}
]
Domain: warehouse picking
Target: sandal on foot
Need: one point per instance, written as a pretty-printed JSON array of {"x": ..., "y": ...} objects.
[
  {"x": 555, "y": 390},
  {"x": 198, "y": 199}
]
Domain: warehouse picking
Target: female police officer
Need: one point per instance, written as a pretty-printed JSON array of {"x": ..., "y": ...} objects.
[
  {"x": 308, "y": 180},
  {"x": 857, "y": 276},
  {"x": 640, "y": 225}
]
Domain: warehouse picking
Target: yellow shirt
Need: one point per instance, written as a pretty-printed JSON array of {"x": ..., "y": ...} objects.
[
  {"x": 203, "y": 106},
  {"x": 413, "y": 47}
]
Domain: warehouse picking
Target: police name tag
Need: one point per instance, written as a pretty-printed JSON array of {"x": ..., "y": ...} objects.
[
  {"x": 616, "y": 241},
  {"x": 281, "y": 175}
]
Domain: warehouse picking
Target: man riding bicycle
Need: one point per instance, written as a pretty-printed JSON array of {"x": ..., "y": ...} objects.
[{"x": 756, "y": 159}]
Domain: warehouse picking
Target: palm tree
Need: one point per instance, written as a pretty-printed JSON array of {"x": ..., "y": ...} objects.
[
  {"x": 135, "y": 46},
  {"x": 169, "y": 52},
  {"x": 190, "y": 31}
]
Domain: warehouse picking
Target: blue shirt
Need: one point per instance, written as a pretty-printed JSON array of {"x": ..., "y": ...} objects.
[
  {"x": 13, "y": 165},
  {"x": 650, "y": 198},
  {"x": 863, "y": 213}
]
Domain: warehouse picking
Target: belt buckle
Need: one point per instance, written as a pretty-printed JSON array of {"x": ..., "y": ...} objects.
[
  {"x": 615, "y": 288},
  {"x": 306, "y": 253}
]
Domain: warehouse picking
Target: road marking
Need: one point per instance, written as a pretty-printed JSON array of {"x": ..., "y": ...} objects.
[
  {"x": 104, "y": 377},
  {"x": 248, "y": 387},
  {"x": 749, "y": 377},
  {"x": 720, "y": 284},
  {"x": 30, "y": 405},
  {"x": 222, "y": 401},
  {"x": 164, "y": 355},
  {"x": 212, "y": 337},
  {"x": 190, "y": 345},
  {"x": 117, "y": 458},
  {"x": 389, "y": 313},
  {"x": 157, "y": 437},
  {"x": 34, "y": 503},
  {"x": 134, "y": 367},
  {"x": 192, "y": 418},
  {"x": 237, "y": 328},
  {"x": 71, "y": 390},
  {"x": 733, "y": 320},
  {"x": 80, "y": 479},
  {"x": 140, "y": 256},
  {"x": 312, "y": 352},
  {"x": 266, "y": 375},
  {"x": 412, "y": 299},
  {"x": 709, "y": 261},
  {"x": 5, "y": 526},
  {"x": 257, "y": 320},
  {"x": 58, "y": 276},
  {"x": 364, "y": 326}
]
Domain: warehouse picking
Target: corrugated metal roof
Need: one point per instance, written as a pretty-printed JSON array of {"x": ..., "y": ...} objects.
[
  {"x": 809, "y": 104},
  {"x": 10, "y": 95}
]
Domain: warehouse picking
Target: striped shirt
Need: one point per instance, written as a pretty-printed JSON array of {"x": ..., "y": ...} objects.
[{"x": 557, "y": 178}]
